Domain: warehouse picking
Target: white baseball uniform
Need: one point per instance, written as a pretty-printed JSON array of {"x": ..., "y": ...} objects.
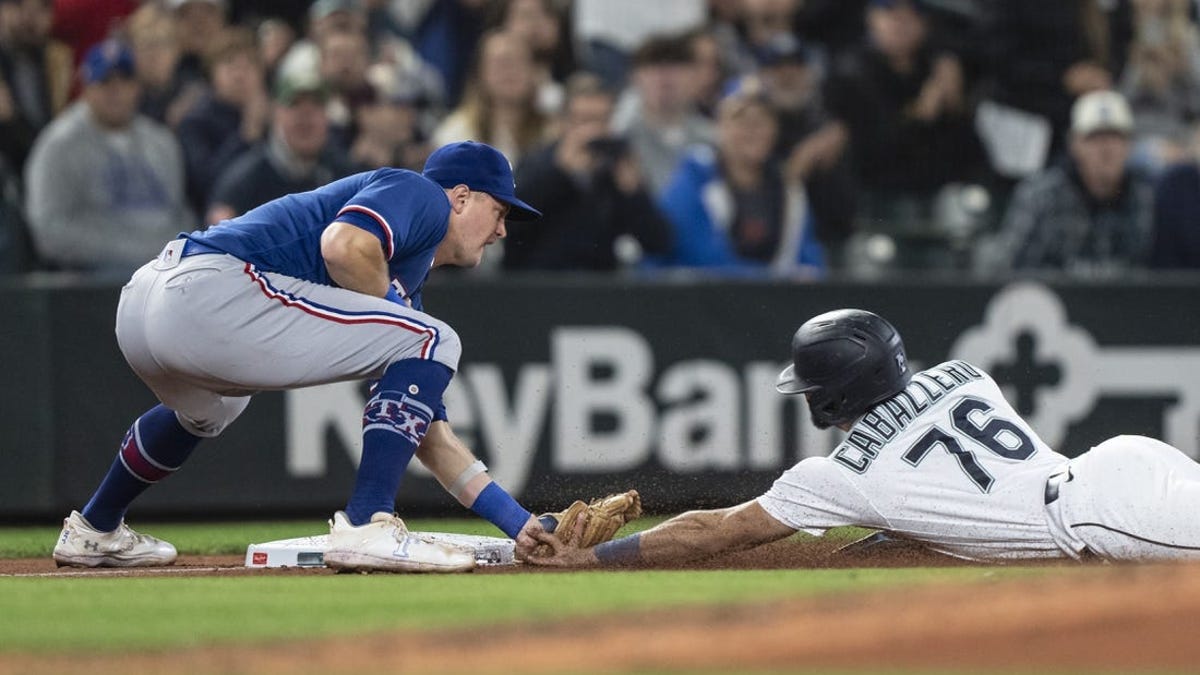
[{"x": 948, "y": 462}]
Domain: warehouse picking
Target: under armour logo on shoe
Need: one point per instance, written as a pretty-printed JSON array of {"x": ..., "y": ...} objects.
[{"x": 91, "y": 545}]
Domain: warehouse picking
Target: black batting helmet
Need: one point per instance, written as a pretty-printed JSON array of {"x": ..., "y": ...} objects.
[{"x": 846, "y": 361}]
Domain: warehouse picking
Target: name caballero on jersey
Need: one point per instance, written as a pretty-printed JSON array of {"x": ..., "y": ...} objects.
[{"x": 888, "y": 419}]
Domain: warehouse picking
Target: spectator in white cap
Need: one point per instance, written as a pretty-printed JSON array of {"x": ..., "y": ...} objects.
[{"x": 1089, "y": 216}]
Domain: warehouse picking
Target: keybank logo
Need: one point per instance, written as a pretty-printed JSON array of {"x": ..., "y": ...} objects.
[{"x": 1054, "y": 372}]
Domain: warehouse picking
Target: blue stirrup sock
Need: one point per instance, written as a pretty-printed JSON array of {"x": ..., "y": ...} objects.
[
  {"x": 154, "y": 448},
  {"x": 397, "y": 417}
]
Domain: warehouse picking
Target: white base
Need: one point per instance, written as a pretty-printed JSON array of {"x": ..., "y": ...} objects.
[{"x": 310, "y": 551}]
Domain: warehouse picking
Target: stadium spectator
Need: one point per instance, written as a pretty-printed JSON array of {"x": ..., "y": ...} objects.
[
  {"x": 541, "y": 24},
  {"x": 1091, "y": 216},
  {"x": 325, "y": 17},
  {"x": 345, "y": 56},
  {"x": 608, "y": 33},
  {"x": 295, "y": 158},
  {"x": 1046, "y": 54},
  {"x": 1161, "y": 80},
  {"x": 154, "y": 37},
  {"x": 201, "y": 23},
  {"x": 389, "y": 128},
  {"x": 443, "y": 34},
  {"x": 766, "y": 20},
  {"x": 104, "y": 185},
  {"x": 811, "y": 144},
  {"x": 79, "y": 24},
  {"x": 596, "y": 212},
  {"x": 276, "y": 37},
  {"x": 1176, "y": 239},
  {"x": 499, "y": 105},
  {"x": 35, "y": 75},
  {"x": 229, "y": 119},
  {"x": 657, "y": 113},
  {"x": 910, "y": 129},
  {"x": 710, "y": 74},
  {"x": 733, "y": 209}
]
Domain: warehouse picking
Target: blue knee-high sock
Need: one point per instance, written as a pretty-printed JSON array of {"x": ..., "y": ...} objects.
[
  {"x": 155, "y": 446},
  {"x": 395, "y": 421}
]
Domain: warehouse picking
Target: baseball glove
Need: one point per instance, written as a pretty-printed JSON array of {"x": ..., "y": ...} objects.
[{"x": 601, "y": 520}]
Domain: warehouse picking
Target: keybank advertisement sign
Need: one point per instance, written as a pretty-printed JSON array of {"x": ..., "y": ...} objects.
[
  {"x": 574, "y": 387},
  {"x": 669, "y": 394}
]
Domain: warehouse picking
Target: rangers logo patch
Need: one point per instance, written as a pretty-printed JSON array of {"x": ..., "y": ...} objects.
[{"x": 405, "y": 416}]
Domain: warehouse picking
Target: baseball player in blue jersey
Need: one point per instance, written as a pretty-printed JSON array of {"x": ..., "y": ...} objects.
[{"x": 311, "y": 288}]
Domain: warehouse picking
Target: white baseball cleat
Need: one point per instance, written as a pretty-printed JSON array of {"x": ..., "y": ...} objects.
[
  {"x": 386, "y": 545},
  {"x": 81, "y": 545}
]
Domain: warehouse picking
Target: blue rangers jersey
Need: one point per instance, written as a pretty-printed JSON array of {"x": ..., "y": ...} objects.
[{"x": 409, "y": 213}]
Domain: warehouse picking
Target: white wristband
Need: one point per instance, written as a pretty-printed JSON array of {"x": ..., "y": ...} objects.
[{"x": 456, "y": 488}]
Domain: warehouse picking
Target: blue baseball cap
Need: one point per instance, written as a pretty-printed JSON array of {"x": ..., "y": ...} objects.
[
  {"x": 480, "y": 167},
  {"x": 104, "y": 60}
]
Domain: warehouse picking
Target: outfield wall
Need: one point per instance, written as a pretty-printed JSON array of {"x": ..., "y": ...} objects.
[{"x": 574, "y": 387}]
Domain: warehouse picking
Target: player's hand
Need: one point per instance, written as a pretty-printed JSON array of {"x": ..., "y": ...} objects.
[
  {"x": 562, "y": 554},
  {"x": 527, "y": 537}
]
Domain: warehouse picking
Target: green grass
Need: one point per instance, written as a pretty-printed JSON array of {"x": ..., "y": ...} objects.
[
  {"x": 114, "y": 614},
  {"x": 124, "y": 614}
]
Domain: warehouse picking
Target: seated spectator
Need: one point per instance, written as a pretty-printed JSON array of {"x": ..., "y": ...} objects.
[
  {"x": 1090, "y": 216},
  {"x": 710, "y": 74},
  {"x": 229, "y": 119},
  {"x": 345, "y": 56},
  {"x": 295, "y": 158},
  {"x": 104, "y": 185},
  {"x": 540, "y": 24},
  {"x": 904, "y": 104},
  {"x": 596, "y": 212},
  {"x": 325, "y": 17},
  {"x": 1176, "y": 240},
  {"x": 499, "y": 105},
  {"x": 35, "y": 75},
  {"x": 657, "y": 113},
  {"x": 734, "y": 210},
  {"x": 811, "y": 144},
  {"x": 1044, "y": 55},
  {"x": 1162, "y": 82},
  {"x": 389, "y": 129},
  {"x": 201, "y": 23},
  {"x": 154, "y": 37}
]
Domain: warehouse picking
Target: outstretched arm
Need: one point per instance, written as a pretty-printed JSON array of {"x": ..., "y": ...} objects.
[
  {"x": 688, "y": 536},
  {"x": 466, "y": 478}
]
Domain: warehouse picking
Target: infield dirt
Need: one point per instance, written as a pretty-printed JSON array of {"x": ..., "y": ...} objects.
[{"x": 1115, "y": 619}]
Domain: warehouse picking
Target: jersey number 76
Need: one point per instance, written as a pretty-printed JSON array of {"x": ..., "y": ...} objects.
[{"x": 996, "y": 435}]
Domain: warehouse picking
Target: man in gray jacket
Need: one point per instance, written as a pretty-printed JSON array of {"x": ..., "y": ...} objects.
[
  {"x": 104, "y": 185},
  {"x": 1090, "y": 216}
]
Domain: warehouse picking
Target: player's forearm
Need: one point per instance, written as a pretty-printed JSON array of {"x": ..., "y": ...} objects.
[
  {"x": 688, "y": 536},
  {"x": 452, "y": 464},
  {"x": 466, "y": 478},
  {"x": 694, "y": 535},
  {"x": 354, "y": 259}
]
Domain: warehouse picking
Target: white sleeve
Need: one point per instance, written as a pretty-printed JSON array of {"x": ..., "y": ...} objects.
[{"x": 814, "y": 496}]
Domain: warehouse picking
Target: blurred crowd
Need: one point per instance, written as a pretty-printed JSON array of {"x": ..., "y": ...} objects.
[{"x": 795, "y": 138}]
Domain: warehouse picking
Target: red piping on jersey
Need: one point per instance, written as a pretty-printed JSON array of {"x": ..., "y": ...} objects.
[
  {"x": 386, "y": 319},
  {"x": 387, "y": 229}
]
